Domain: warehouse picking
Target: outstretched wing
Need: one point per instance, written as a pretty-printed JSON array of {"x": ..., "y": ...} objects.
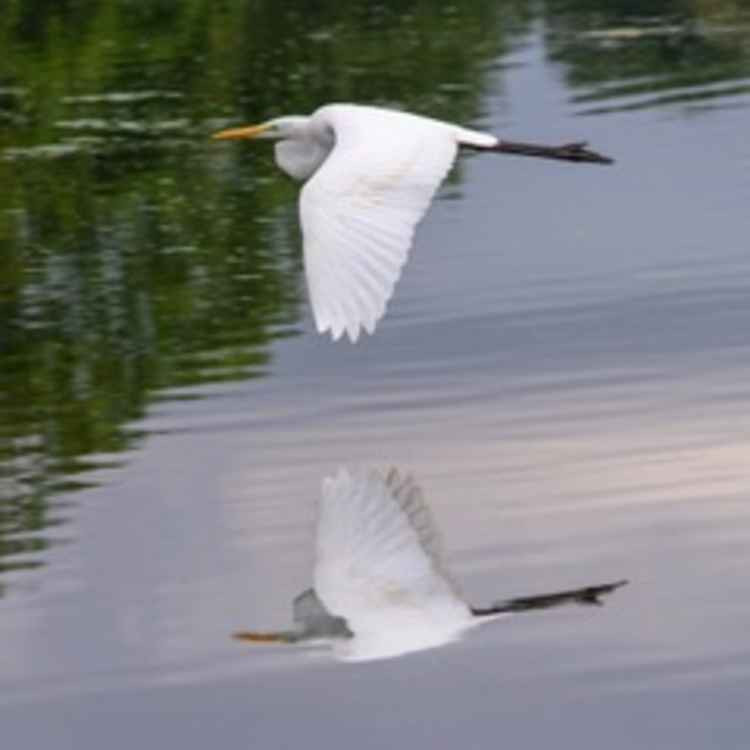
[
  {"x": 360, "y": 209},
  {"x": 378, "y": 552}
]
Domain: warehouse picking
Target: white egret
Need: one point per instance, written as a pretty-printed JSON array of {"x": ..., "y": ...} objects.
[
  {"x": 371, "y": 174},
  {"x": 380, "y": 588}
]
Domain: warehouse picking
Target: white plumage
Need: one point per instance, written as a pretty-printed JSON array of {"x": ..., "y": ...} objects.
[
  {"x": 378, "y": 566},
  {"x": 372, "y": 174},
  {"x": 380, "y": 588}
]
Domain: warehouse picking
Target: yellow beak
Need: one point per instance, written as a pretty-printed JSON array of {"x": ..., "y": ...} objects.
[
  {"x": 259, "y": 637},
  {"x": 250, "y": 131}
]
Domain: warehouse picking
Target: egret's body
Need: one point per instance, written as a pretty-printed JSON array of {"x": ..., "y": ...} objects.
[
  {"x": 371, "y": 175},
  {"x": 380, "y": 587}
]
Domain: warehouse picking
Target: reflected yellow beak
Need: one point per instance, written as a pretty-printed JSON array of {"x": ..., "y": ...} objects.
[
  {"x": 250, "y": 131},
  {"x": 259, "y": 637}
]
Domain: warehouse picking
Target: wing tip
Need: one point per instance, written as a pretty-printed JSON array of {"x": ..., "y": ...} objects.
[
  {"x": 342, "y": 479},
  {"x": 399, "y": 485},
  {"x": 337, "y": 329},
  {"x": 353, "y": 331}
]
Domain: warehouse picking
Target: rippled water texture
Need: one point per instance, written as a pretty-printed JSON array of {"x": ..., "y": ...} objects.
[{"x": 564, "y": 368}]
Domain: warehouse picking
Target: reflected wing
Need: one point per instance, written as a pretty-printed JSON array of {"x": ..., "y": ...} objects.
[
  {"x": 360, "y": 209},
  {"x": 377, "y": 553}
]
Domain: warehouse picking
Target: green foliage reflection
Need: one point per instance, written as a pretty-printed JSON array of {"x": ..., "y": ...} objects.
[
  {"x": 637, "y": 55},
  {"x": 135, "y": 255}
]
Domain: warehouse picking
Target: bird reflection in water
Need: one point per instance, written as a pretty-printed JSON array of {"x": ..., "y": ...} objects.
[{"x": 380, "y": 588}]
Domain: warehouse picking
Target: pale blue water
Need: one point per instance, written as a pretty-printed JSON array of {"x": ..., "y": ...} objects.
[{"x": 564, "y": 368}]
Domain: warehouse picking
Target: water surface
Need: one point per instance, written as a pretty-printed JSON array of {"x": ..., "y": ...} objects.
[{"x": 564, "y": 368}]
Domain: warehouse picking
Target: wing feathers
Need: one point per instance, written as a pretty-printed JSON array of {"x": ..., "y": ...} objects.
[
  {"x": 360, "y": 210},
  {"x": 378, "y": 549}
]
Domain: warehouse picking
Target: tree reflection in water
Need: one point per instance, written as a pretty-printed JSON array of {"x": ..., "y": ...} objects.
[{"x": 134, "y": 260}]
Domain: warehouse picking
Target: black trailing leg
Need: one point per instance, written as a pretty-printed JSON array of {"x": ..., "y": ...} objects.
[
  {"x": 567, "y": 152},
  {"x": 585, "y": 595}
]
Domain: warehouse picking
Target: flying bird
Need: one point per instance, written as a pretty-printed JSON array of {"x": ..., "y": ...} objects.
[
  {"x": 371, "y": 175},
  {"x": 380, "y": 588}
]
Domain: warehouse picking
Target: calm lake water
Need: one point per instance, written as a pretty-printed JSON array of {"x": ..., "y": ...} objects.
[{"x": 564, "y": 368}]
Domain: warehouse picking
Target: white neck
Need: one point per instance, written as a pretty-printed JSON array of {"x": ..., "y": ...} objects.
[{"x": 302, "y": 147}]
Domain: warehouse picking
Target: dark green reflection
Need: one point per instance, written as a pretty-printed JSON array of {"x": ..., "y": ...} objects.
[
  {"x": 135, "y": 255},
  {"x": 636, "y": 55}
]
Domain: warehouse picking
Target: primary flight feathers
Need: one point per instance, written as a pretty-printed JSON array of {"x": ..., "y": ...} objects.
[{"x": 371, "y": 175}]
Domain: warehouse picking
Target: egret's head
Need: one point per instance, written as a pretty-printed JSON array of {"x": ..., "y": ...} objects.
[{"x": 277, "y": 129}]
